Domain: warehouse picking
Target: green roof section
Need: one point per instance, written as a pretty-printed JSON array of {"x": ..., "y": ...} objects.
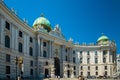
[
  {"x": 103, "y": 38},
  {"x": 42, "y": 20}
]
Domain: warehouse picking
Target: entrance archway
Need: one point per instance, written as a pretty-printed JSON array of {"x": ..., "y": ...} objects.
[
  {"x": 46, "y": 73},
  {"x": 57, "y": 66},
  {"x": 68, "y": 73}
]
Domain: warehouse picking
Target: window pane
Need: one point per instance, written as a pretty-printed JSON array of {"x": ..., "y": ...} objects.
[
  {"x": 7, "y": 58},
  {"x": 7, "y": 25},
  {"x": 7, "y": 69},
  {"x": 7, "y": 41},
  {"x": 20, "y": 34},
  {"x": 20, "y": 47}
]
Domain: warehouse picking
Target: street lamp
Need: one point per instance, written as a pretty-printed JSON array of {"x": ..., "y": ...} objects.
[{"x": 16, "y": 61}]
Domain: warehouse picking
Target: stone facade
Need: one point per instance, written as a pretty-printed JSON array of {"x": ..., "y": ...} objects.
[{"x": 46, "y": 52}]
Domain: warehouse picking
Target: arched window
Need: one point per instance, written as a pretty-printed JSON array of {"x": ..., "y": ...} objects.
[
  {"x": 31, "y": 51},
  {"x": 7, "y": 41},
  {"x": 44, "y": 54},
  {"x": 20, "y": 47}
]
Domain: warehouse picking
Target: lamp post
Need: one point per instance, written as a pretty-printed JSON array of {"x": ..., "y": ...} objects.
[{"x": 16, "y": 61}]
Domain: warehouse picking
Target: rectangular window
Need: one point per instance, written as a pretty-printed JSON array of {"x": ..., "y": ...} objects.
[
  {"x": 80, "y": 53},
  {"x": 44, "y": 44},
  {"x": 88, "y": 73},
  {"x": 31, "y": 63},
  {"x": 7, "y": 69},
  {"x": 88, "y": 53},
  {"x": 95, "y": 53},
  {"x": 88, "y": 60},
  {"x": 74, "y": 68},
  {"x": 81, "y": 68},
  {"x": 104, "y": 60},
  {"x": 96, "y": 73},
  {"x": 81, "y": 73},
  {"x": 80, "y": 60},
  {"x": 88, "y": 67},
  {"x": 7, "y": 58},
  {"x": 96, "y": 60},
  {"x": 31, "y": 39},
  {"x": 31, "y": 71},
  {"x": 20, "y": 34},
  {"x": 104, "y": 52},
  {"x": 105, "y": 68},
  {"x": 66, "y": 58},
  {"x": 106, "y": 73},
  {"x": 96, "y": 67},
  {"x": 73, "y": 59},
  {"x": 7, "y": 25},
  {"x": 73, "y": 52}
]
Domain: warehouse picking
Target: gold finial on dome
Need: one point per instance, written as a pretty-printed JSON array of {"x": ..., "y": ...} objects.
[
  {"x": 42, "y": 15},
  {"x": 102, "y": 34}
]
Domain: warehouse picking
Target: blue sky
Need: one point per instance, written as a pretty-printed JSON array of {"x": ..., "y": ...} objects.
[{"x": 83, "y": 20}]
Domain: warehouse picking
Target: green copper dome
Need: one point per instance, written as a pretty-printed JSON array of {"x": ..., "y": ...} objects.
[
  {"x": 102, "y": 38},
  {"x": 42, "y": 21}
]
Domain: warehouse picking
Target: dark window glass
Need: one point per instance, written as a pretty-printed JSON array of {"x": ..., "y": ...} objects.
[
  {"x": 31, "y": 71},
  {"x": 88, "y": 73},
  {"x": 106, "y": 73},
  {"x": 81, "y": 68},
  {"x": 88, "y": 60},
  {"x": 66, "y": 50},
  {"x": 81, "y": 73},
  {"x": 95, "y": 53},
  {"x": 20, "y": 34},
  {"x": 66, "y": 58},
  {"x": 104, "y": 52},
  {"x": 31, "y": 39},
  {"x": 73, "y": 59},
  {"x": 96, "y": 60},
  {"x": 73, "y": 52},
  {"x": 7, "y": 25},
  {"x": 31, "y": 63},
  {"x": 44, "y": 44},
  {"x": 74, "y": 68},
  {"x": 20, "y": 47},
  {"x": 105, "y": 67},
  {"x": 31, "y": 51},
  {"x": 44, "y": 54},
  {"x": 96, "y": 73},
  {"x": 80, "y": 60},
  {"x": 7, "y": 58},
  {"x": 96, "y": 67},
  {"x": 7, "y": 69},
  {"x": 104, "y": 60},
  {"x": 88, "y": 67},
  {"x": 68, "y": 66},
  {"x": 88, "y": 53},
  {"x": 46, "y": 63},
  {"x": 7, "y": 41}
]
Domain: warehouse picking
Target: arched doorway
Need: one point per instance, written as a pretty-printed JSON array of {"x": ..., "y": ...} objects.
[
  {"x": 68, "y": 73},
  {"x": 46, "y": 73},
  {"x": 57, "y": 66}
]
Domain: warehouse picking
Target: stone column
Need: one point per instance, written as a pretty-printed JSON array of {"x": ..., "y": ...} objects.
[
  {"x": 49, "y": 49},
  {"x": 38, "y": 43},
  {"x": 2, "y": 30},
  {"x": 52, "y": 49},
  {"x": 52, "y": 73},
  {"x": 41, "y": 47},
  {"x": 65, "y": 72},
  {"x": 71, "y": 54},
  {"x": 72, "y": 73}
]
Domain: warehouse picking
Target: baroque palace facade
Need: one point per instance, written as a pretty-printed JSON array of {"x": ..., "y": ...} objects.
[{"x": 45, "y": 51}]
